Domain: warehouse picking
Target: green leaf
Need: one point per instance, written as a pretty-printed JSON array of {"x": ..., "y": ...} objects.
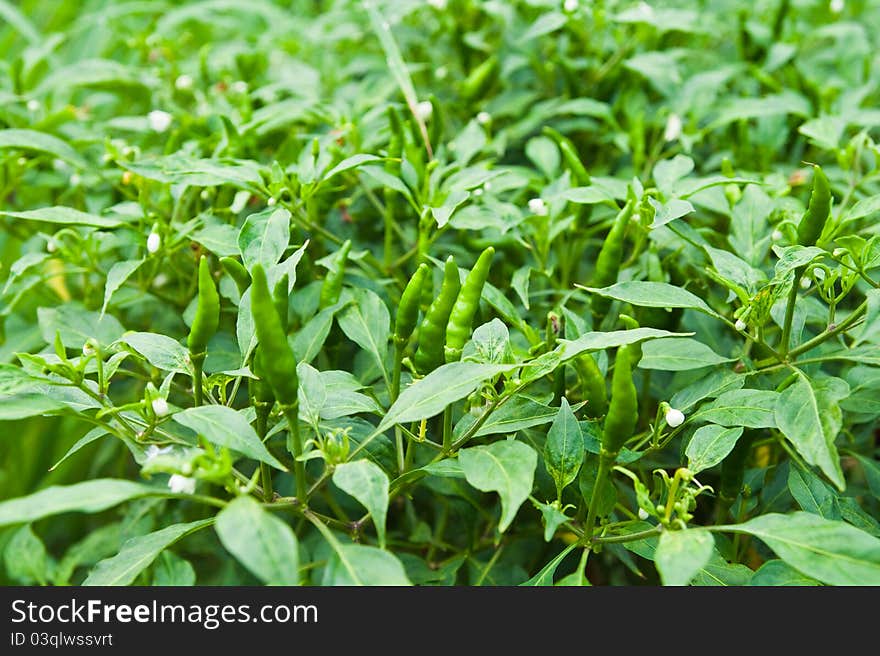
[
  {"x": 553, "y": 518},
  {"x": 349, "y": 163},
  {"x": 812, "y": 493},
  {"x": 310, "y": 338},
  {"x": 809, "y": 415},
  {"x": 777, "y": 573},
  {"x": 831, "y": 552},
  {"x": 446, "y": 384},
  {"x": 506, "y": 467},
  {"x": 116, "y": 277},
  {"x": 749, "y": 229},
  {"x": 667, "y": 212},
  {"x": 679, "y": 354},
  {"x": 653, "y": 294},
  {"x": 171, "y": 570},
  {"x": 713, "y": 384},
  {"x": 358, "y": 564},
  {"x": 160, "y": 351},
  {"x": 260, "y": 541},
  {"x": 41, "y": 143},
  {"x": 710, "y": 445},
  {"x": 89, "y": 497},
  {"x": 77, "y": 325},
  {"x": 94, "y": 434},
  {"x": 25, "y": 558},
  {"x": 264, "y": 238},
  {"x": 138, "y": 553},
  {"x": 22, "y": 406},
  {"x": 681, "y": 554},
  {"x": 366, "y": 322},
  {"x": 226, "y": 427},
  {"x": 64, "y": 216},
  {"x": 366, "y": 482},
  {"x": 545, "y": 576},
  {"x": 564, "y": 448},
  {"x": 744, "y": 407},
  {"x": 517, "y": 414}
]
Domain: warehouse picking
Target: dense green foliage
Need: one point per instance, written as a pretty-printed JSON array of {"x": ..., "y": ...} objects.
[{"x": 664, "y": 368}]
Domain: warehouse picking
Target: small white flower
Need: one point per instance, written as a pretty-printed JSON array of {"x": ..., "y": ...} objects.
[
  {"x": 153, "y": 242},
  {"x": 570, "y": 6},
  {"x": 33, "y": 105},
  {"x": 88, "y": 349},
  {"x": 537, "y": 207},
  {"x": 424, "y": 110},
  {"x": 181, "y": 484},
  {"x": 674, "y": 418},
  {"x": 836, "y": 6},
  {"x": 240, "y": 87},
  {"x": 643, "y": 514},
  {"x": 484, "y": 118},
  {"x": 487, "y": 185},
  {"x": 22, "y": 161},
  {"x": 441, "y": 72},
  {"x": 271, "y": 202},
  {"x": 805, "y": 283},
  {"x": 438, "y": 4},
  {"x": 239, "y": 201},
  {"x": 205, "y": 194},
  {"x": 477, "y": 192},
  {"x": 75, "y": 180},
  {"x": 60, "y": 165},
  {"x": 776, "y": 236},
  {"x": 645, "y": 11},
  {"x": 51, "y": 246},
  {"x": 183, "y": 82},
  {"x": 160, "y": 280},
  {"x": 672, "y": 131},
  {"x": 153, "y": 451},
  {"x": 160, "y": 406},
  {"x": 740, "y": 325},
  {"x": 159, "y": 121}
]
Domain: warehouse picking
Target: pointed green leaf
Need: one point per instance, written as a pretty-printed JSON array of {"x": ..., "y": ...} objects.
[{"x": 366, "y": 482}]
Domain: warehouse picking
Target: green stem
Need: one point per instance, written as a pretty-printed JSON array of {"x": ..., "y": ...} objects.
[
  {"x": 628, "y": 537},
  {"x": 294, "y": 445},
  {"x": 828, "y": 334},
  {"x": 606, "y": 462},
  {"x": 447, "y": 427},
  {"x": 789, "y": 312},
  {"x": 265, "y": 470},
  {"x": 198, "y": 362}
]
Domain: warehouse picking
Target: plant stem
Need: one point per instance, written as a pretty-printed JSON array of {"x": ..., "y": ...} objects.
[
  {"x": 828, "y": 334},
  {"x": 606, "y": 462},
  {"x": 198, "y": 362},
  {"x": 294, "y": 445},
  {"x": 628, "y": 537},
  {"x": 447, "y": 427},
  {"x": 265, "y": 471}
]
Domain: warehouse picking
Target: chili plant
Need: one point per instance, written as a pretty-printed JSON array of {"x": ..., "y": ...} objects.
[{"x": 444, "y": 293}]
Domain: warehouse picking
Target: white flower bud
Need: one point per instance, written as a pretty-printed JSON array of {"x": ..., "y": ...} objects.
[
  {"x": 159, "y": 121},
  {"x": 837, "y": 253},
  {"x": 805, "y": 283},
  {"x": 88, "y": 349},
  {"x": 160, "y": 406},
  {"x": 75, "y": 180},
  {"x": 537, "y": 207},
  {"x": 441, "y": 72},
  {"x": 424, "y": 110},
  {"x": 438, "y": 4},
  {"x": 181, "y": 484},
  {"x": 240, "y": 87},
  {"x": 672, "y": 131},
  {"x": 570, "y": 6},
  {"x": 183, "y": 83},
  {"x": 160, "y": 280},
  {"x": 240, "y": 201},
  {"x": 33, "y": 105},
  {"x": 776, "y": 236},
  {"x": 836, "y": 6},
  {"x": 477, "y": 192},
  {"x": 153, "y": 242},
  {"x": 484, "y": 118},
  {"x": 643, "y": 514},
  {"x": 271, "y": 202},
  {"x": 674, "y": 418},
  {"x": 51, "y": 246},
  {"x": 740, "y": 325}
]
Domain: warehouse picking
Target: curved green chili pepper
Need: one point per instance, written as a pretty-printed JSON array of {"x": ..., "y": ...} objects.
[
  {"x": 479, "y": 79},
  {"x": 207, "y": 317},
  {"x": 611, "y": 253},
  {"x": 432, "y": 331},
  {"x": 332, "y": 286},
  {"x": 408, "y": 308},
  {"x": 570, "y": 156},
  {"x": 623, "y": 411},
  {"x": 280, "y": 299},
  {"x": 237, "y": 272},
  {"x": 277, "y": 362},
  {"x": 461, "y": 318},
  {"x": 813, "y": 222},
  {"x": 592, "y": 384}
]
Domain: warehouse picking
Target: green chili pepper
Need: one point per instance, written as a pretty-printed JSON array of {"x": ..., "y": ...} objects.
[
  {"x": 631, "y": 324},
  {"x": 280, "y": 298},
  {"x": 237, "y": 272},
  {"x": 810, "y": 228},
  {"x": 432, "y": 331},
  {"x": 479, "y": 79},
  {"x": 332, "y": 287},
  {"x": 570, "y": 156},
  {"x": 623, "y": 411},
  {"x": 207, "y": 317},
  {"x": 461, "y": 318},
  {"x": 408, "y": 308},
  {"x": 277, "y": 362},
  {"x": 592, "y": 384},
  {"x": 609, "y": 258}
]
